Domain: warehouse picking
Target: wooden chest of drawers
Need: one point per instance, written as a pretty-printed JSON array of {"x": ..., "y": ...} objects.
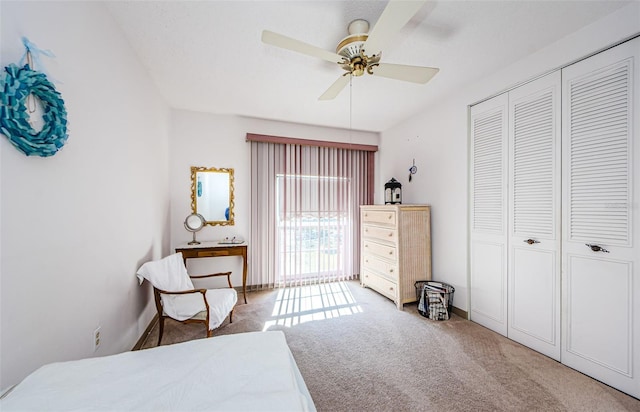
[{"x": 396, "y": 249}]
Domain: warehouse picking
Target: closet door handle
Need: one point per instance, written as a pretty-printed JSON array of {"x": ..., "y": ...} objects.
[
  {"x": 597, "y": 248},
  {"x": 531, "y": 241}
]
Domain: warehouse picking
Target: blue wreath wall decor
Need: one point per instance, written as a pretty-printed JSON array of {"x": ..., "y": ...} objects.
[{"x": 16, "y": 83}]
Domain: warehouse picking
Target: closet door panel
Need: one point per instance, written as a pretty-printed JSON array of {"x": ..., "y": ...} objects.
[
  {"x": 489, "y": 284},
  {"x": 601, "y": 230},
  {"x": 609, "y": 345},
  {"x": 488, "y": 237},
  {"x": 534, "y": 215},
  {"x": 534, "y": 308}
]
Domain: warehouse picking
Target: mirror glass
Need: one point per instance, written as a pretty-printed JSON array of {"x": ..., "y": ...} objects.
[
  {"x": 212, "y": 195},
  {"x": 194, "y": 222}
]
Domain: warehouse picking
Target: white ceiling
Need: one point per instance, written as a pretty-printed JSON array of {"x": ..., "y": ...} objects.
[{"x": 207, "y": 55}]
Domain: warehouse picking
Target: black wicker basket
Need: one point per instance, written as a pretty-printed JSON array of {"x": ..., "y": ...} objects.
[{"x": 435, "y": 299}]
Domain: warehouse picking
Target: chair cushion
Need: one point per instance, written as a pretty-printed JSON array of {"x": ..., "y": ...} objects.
[
  {"x": 183, "y": 307},
  {"x": 221, "y": 302},
  {"x": 168, "y": 274}
]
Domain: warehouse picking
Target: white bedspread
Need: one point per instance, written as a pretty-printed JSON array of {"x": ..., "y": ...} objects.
[{"x": 243, "y": 372}]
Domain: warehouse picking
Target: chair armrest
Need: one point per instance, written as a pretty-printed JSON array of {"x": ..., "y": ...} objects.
[
  {"x": 227, "y": 274},
  {"x": 158, "y": 292},
  {"x": 184, "y": 292}
]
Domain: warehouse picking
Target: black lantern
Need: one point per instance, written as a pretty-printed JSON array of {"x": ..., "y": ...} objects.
[{"x": 392, "y": 192}]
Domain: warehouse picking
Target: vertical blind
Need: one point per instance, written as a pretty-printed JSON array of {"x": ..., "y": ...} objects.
[{"x": 305, "y": 212}]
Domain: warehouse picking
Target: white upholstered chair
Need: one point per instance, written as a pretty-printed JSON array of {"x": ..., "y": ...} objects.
[{"x": 176, "y": 297}]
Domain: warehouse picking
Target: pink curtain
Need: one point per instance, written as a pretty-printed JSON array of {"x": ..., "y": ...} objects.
[{"x": 305, "y": 212}]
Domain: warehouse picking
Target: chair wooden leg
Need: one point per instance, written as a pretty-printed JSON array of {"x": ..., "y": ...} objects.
[
  {"x": 160, "y": 329},
  {"x": 209, "y": 333},
  {"x": 231, "y": 316}
]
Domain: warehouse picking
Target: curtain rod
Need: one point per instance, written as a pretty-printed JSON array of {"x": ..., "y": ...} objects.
[{"x": 263, "y": 138}]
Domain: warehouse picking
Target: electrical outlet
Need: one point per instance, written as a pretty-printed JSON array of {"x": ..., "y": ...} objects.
[{"x": 96, "y": 339}]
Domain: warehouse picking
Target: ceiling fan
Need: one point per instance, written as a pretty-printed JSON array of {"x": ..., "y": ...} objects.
[{"x": 361, "y": 50}]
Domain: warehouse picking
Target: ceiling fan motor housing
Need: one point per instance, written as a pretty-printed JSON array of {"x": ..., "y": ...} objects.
[{"x": 351, "y": 49}]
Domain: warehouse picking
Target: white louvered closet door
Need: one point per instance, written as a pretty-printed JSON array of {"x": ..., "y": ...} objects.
[
  {"x": 601, "y": 179},
  {"x": 488, "y": 237},
  {"x": 534, "y": 215}
]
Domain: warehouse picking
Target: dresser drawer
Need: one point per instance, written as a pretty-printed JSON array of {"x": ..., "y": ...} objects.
[
  {"x": 381, "y": 266},
  {"x": 385, "y": 251},
  {"x": 380, "y": 233},
  {"x": 380, "y": 217},
  {"x": 380, "y": 284}
]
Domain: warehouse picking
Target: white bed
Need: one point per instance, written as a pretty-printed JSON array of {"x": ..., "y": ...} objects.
[{"x": 243, "y": 372}]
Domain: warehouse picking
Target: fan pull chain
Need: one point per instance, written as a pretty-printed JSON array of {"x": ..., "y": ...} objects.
[{"x": 350, "y": 109}]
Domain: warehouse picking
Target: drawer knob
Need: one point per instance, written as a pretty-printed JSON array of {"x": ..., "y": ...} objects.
[
  {"x": 391, "y": 252},
  {"x": 390, "y": 216},
  {"x": 390, "y": 288},
  {"x": 390, "y": 270},
  {"x": 391, "y": 234}
]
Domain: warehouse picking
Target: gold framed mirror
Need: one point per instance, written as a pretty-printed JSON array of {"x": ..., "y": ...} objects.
[{"x": 212, "y": 195}]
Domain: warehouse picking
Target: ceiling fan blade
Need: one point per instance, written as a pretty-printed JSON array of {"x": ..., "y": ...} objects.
[
  {"x": 336, "y": 87},
  {"x": 285, "y": 42},
  {"x": 394, "y": 17},
  {"x": 414, "y": 74}
]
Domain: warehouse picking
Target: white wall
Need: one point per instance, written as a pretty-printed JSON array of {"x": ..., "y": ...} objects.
[
  {"x": 76, "y": 226},
  {"x": 208, "y": 140},
  {"x": 438, "y": 140}
]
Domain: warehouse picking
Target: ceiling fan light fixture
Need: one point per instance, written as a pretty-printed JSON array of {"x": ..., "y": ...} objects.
[
  {"x": 358, "y": 65},
  {"x": 358, "y": 26}
]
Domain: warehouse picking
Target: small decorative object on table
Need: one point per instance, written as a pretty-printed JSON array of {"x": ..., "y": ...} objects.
[
  {"x": 392, "y": 192},
  {"x": 231, "y": 241},
  {"x": 193, "y": 223}
]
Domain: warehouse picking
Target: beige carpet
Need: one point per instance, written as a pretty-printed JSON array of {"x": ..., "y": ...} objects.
[{"x": 357, "y": 352}]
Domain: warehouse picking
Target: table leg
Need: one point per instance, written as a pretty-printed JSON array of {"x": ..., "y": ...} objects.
[{"x": 244, "y": 274}]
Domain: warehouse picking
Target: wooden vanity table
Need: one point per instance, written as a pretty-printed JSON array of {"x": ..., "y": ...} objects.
[{"x": 215, "y": 249}]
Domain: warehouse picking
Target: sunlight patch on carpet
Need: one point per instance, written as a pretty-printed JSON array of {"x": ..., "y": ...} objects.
[{"x": 297, "y": 305}]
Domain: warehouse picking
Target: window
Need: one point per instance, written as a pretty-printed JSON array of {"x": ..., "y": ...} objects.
[
  {"x": 312, "y": 240},
  {"x": 305, "y": 212}
]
